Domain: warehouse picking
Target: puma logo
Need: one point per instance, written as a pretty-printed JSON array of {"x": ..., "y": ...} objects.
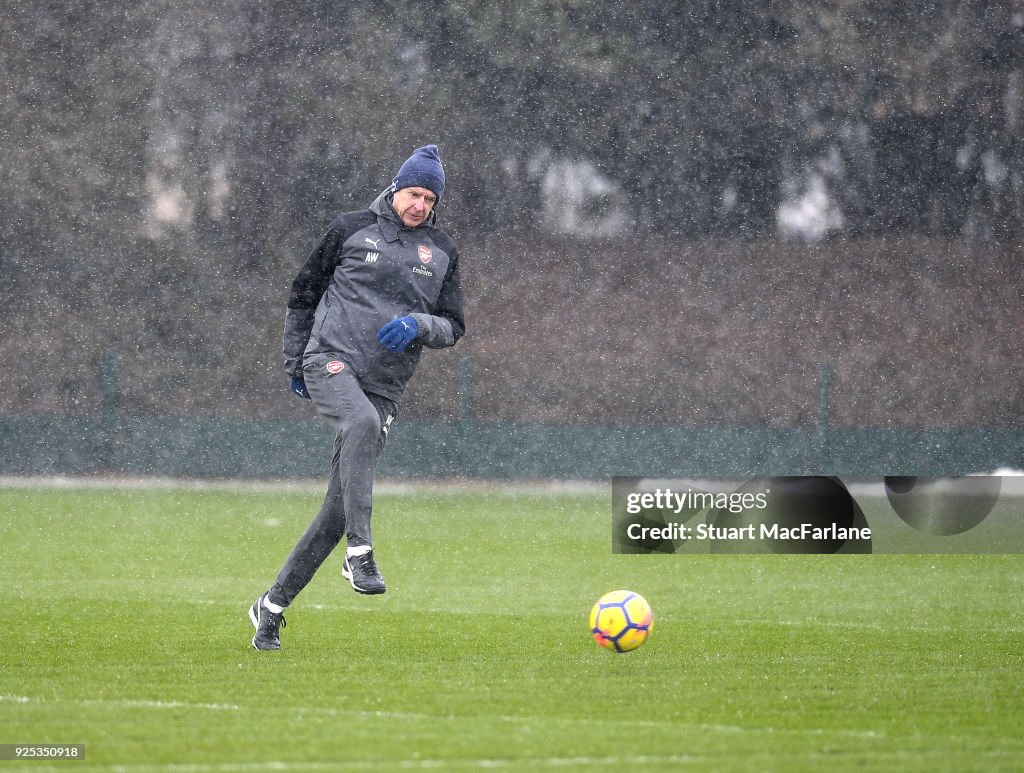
[{"x": 371, "y": 241}]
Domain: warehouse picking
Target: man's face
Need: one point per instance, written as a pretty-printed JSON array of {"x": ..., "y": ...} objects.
[{"x": 413, "y": 205}]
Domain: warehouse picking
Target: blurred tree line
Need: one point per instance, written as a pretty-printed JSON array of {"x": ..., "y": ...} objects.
[
  {"x": 237, "y": 125},
  {"x": 161, "y": 145}
]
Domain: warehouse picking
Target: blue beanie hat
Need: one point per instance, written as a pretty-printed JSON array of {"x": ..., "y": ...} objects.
[{"x": 422, "y": 170}]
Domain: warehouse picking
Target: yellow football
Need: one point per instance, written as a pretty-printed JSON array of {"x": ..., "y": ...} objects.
[{"x": 621, "y": 620}]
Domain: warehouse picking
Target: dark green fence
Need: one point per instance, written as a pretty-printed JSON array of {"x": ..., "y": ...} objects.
[
  {"x": 190, "y": 447},
  {"x": 112, "y": 442}
]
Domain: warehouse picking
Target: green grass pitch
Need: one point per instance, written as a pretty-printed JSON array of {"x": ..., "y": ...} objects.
[{"x": 125, "y": 629}]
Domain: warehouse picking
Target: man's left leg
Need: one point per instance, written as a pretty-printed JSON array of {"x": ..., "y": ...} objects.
[
  {"x": 362, "y": 421},
  {"x": 360, "y": 565}
]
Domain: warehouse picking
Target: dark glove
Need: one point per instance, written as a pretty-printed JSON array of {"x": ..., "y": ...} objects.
[
  {"x": 398, "y": 334},
  {"x": 299, "y": 387}
]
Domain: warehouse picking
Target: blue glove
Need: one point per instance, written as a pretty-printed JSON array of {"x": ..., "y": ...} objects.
[
  {"x": 299, "y": 387},
  {"x": 398, "y": 334}
]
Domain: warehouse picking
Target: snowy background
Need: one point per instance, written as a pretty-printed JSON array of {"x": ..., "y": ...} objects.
[{"x": 670, "y": 214}]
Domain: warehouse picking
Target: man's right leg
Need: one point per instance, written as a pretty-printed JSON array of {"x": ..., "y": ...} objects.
[
  {"x": 357, "y": 420},
  {"x": 313, "y": 547},
  {"x": 318, "y": 541}
]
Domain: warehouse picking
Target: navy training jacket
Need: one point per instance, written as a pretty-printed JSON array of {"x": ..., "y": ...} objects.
[{"x": 368, "y": 269}]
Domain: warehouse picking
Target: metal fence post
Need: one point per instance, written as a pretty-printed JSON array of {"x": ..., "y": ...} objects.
[
  {"x": 108, "y": 389},
  {"x": 824, "y": 416},
  {"x": 106, "y": 447},
  {"x": 465, "y": 412}
]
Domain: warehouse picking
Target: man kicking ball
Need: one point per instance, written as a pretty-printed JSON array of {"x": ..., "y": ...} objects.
[{"x": 381, "y": 284}]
